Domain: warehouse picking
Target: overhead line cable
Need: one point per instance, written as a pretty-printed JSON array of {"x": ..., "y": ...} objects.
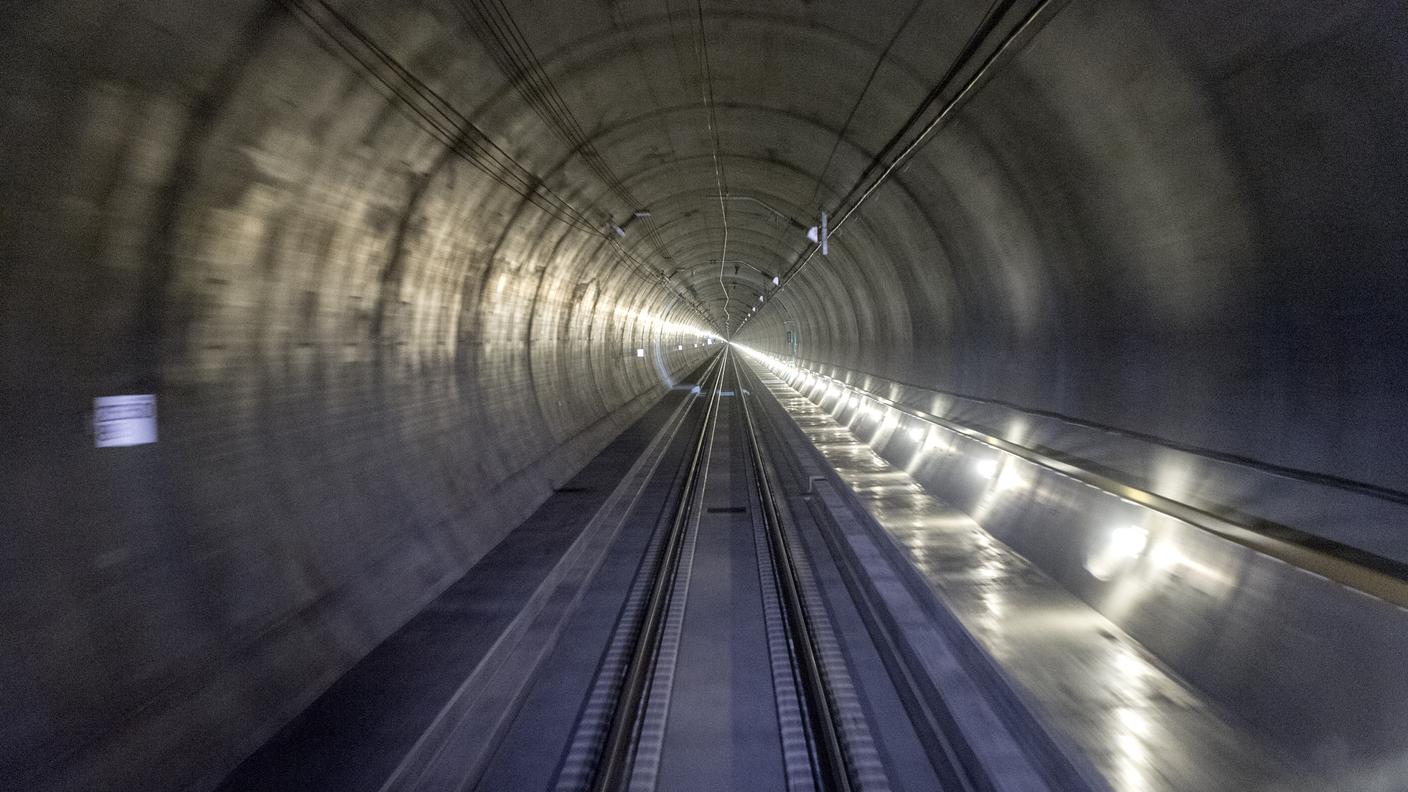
[
  {"x": 439, "y": 119},
  {"x": 994, "y": 14}
]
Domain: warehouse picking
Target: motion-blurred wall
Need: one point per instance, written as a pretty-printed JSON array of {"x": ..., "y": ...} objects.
[
  {"x": 1183, "y": 220},
  {"x": 371, "y": 361}
]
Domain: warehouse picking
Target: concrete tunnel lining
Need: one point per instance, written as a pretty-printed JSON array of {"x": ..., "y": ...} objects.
[{"x": 1176, "y": 223}]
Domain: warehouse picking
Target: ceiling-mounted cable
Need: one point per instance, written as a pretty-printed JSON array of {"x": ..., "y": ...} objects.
[
  {"x": 707, "y": 89},
  {"x": 996, "y": 12},
  {"x": 430, "y": 111},
  {"x": 865, "y": 89},
  {"x": 953, "y": 104},
  {"x": 438, "y": 118},
  {"x": 509, "y": 49}
]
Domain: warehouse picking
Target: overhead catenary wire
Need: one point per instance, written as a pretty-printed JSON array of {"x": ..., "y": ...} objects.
[
  {"x": 968, "y": 88},
  {"x": 860, "y": 97},
  {"x": 438, "y": 118},
  {"x": 707, "y": 91},
  {"x": 508, "y": 47},
  {"x": 865, "y": 188},
  {"x": 430, "y": 111}
]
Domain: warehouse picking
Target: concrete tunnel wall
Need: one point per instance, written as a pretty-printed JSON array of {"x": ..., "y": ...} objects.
[
  {"x": 372, "y": 359},
  {"x": 1179, "y": 220},
  {"x": 371, "y": 362}
]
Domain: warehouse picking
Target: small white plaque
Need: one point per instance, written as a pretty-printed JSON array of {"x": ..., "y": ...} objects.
[{"x": 124, "y": 420}]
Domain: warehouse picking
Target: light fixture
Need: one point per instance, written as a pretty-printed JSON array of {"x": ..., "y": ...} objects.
[
  {"x": 1122, "y": 547},
  {"x": 818, "y": 235},
  {"x": 640, "y": 352},
  {"x": 1129, "y": 541},
  {"x": 936, "y": 442},
  {"x": 986, "y": 468},
  {"x": 1011, "y": 477}
]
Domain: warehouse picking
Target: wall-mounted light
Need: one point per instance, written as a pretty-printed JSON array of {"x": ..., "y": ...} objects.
[
  {"x": 937, "y": 443},
  {"x": 1123, "y": 545},
  {"x": 640, "y": 352},
  {"x": 1129, "y": 541},
  {"x": 986, "y": 468}
]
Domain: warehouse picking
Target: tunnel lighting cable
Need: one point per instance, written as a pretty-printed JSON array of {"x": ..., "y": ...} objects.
[
  {"x": 707, "y": 90},
  {"x": 1036, "y": 15},
  {"x": 452, "y": 129}
]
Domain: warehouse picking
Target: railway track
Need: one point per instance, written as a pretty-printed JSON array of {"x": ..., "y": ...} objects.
[
  {"x": 726, "y": 640},
  {"x": 622, "y": 738},
  {"x": 713, "y": 625}
]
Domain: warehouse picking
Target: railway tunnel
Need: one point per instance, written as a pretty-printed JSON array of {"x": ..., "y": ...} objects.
[{"x": 704, "y": 394}]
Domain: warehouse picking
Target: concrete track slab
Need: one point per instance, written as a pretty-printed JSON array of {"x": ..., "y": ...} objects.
[
  {"x": 1143, "y": 728},
  {"x": 355, "y": 734}
]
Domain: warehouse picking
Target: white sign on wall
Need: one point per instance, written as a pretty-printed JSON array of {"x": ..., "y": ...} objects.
[{"x": 124, "y": 420}]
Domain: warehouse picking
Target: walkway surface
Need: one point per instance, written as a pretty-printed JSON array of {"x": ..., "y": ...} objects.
[
  {"x": 353, "y": 736},
  {"x": 1142, "y": 727}
]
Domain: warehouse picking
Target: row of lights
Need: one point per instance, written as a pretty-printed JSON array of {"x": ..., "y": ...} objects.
[
  {"x": 871, "y": 408},
  {"x": 639, "y": 351},
  {"x": 1124, "y": 544},
  {"x": 656, "y": 325}
]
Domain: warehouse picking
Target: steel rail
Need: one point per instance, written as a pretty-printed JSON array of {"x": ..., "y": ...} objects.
[
  {"x": 611, "y": 771},
  {"x": 830, "y": 753}
]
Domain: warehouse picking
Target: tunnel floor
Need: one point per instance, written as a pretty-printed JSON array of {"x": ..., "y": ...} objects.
[
  {"x": 1142, "y": 727},
  {"x": 820, "y": 622}
]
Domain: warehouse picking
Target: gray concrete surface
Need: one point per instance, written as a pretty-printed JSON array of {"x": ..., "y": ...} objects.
[{"x": 327, "y": 237}]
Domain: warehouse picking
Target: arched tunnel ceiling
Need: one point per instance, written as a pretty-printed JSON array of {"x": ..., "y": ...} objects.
[
  {"x": 370, "y": 244},
  {"x": 642, "y": 78}
]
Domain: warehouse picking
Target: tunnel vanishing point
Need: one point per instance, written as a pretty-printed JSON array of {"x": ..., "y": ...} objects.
[{"x": 682, "y": 395}]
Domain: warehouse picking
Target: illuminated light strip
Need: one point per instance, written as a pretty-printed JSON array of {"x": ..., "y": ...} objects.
[
  {"x": 659, "y": 325},
  {"x": 1367, "y": 581}
]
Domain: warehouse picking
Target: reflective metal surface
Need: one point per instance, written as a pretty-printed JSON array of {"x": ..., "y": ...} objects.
[{"x": 1141, "y": 726}]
